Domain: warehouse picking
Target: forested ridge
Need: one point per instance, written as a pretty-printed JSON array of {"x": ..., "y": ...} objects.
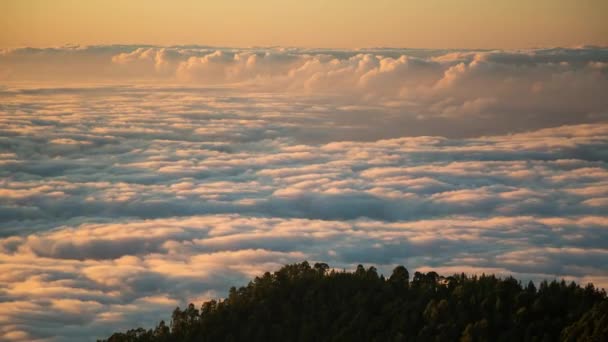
[{"x": 300, "y": 302}]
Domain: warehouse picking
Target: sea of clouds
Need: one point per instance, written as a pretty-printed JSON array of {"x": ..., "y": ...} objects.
[{"x": 137, "y": 178}]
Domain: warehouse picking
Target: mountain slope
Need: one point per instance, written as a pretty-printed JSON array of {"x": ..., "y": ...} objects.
[{"x": 300, "y": 302}]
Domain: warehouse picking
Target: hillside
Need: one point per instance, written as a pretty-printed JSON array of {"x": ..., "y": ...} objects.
[{"x": 300, "y": 302}]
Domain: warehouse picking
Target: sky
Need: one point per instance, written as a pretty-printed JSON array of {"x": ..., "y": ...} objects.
[
  {"x": 138, "y": 173},
  {"x": 314, "y": 23}
]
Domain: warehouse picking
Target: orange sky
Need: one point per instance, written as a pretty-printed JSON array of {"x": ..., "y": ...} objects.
[{"x": 311, "y": 23}]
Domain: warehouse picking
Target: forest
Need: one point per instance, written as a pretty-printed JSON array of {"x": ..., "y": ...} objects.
[{"x": 301, "y": 302}]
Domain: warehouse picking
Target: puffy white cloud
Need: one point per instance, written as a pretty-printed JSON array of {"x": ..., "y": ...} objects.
[
  {"x": 119, "y": 202},
  {"x": 167, "y": 262},
  {"x": 563, "y": 85}
]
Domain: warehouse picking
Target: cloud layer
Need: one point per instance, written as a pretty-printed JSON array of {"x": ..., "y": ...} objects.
[
  {"x": 483, "y": 88},
  {"x": 180, "y": 171}
]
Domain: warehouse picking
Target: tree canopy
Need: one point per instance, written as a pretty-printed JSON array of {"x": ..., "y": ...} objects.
[{"x": 301, "y": 302}]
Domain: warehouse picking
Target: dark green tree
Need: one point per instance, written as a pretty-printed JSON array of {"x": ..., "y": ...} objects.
[{"x": 304, "y": 303}]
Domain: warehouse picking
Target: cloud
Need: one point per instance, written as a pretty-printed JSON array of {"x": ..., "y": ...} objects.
[
  {"x": 178, "y": 172},
  {"x": 561, "y": 85},
  {"x": 166, "y": 262},
  {"x": 158, "y": 210}
]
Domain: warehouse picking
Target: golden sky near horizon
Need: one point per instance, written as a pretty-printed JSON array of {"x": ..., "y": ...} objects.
[{"x": 311, "y": 23}]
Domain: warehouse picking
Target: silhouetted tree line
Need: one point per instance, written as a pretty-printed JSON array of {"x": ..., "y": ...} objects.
[{"x": 304, "y": 303}]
